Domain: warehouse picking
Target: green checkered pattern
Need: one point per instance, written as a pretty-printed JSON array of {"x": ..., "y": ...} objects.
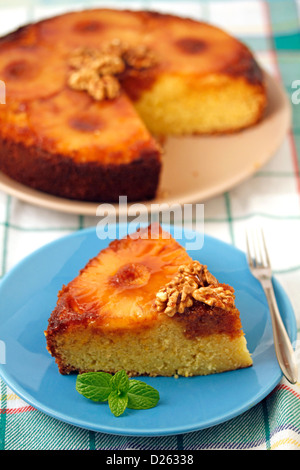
[{"x": 271, "y": 198}]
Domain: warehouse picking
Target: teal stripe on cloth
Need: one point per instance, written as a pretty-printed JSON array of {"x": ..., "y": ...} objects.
[
  {"x": 266, "y": 422},
  {"x": 92, "y": 440},
  {"x": 288, "y": 42},
  {"x": 180, "y": 444}
]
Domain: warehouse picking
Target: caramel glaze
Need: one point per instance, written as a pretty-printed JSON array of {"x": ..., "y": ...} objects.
[
  {"x": 246, "y": 67},
  {"x": 130, "y": 276},
  {"x": 199, "y": 320},
  {"x": 204, "y": 320},
  {"x": 135, "y": 83}
]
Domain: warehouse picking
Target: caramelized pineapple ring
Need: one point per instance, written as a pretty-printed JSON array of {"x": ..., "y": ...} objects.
[{"x": 132, "y": 271}]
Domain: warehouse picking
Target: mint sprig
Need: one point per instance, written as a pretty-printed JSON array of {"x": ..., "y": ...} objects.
[{"x": 120, "y": 391}]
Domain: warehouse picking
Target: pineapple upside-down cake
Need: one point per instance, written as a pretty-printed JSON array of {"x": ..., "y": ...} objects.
[
  {"x": 88, "y": 93},
  {"x": 145, "y": 306}
]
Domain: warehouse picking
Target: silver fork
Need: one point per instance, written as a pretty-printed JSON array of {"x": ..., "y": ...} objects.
[{"x": 260, "y": 267}]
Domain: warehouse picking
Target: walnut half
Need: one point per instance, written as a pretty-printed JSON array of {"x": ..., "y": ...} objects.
[{"x": 192, "y": 282}]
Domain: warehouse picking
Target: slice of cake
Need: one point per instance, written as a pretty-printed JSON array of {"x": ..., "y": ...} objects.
[
  {"x": 74, "y": 147},
  {"x": 145, "y": 306},
  {"x": 89, "y": 92}
]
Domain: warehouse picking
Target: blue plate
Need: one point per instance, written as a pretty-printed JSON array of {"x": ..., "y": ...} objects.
[{"x": 28, "y": 294}]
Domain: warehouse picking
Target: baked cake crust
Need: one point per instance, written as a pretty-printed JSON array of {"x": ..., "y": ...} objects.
[
  {"x": 49, "y": 131},
  {"x": 107, "y": 315},
  {"x": 89, "y": 181},
  {"x": 36, "y": 151}
]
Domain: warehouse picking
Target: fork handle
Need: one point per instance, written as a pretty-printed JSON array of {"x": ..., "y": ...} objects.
[{"x": 283, "y": 347}]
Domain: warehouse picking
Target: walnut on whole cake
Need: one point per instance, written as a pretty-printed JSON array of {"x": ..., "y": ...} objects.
[{"x": 96, "y": 70}]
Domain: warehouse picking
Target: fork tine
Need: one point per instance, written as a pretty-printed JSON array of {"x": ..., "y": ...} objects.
[
  {"x": 249, "y": 257},
  {"x": 259, "y": 249},
  {"x": 265, "y": 249},
  {"x": 255, "y": 243},
  {"x": 257, "y": 253},
  {"x": 252, "y": 244}
]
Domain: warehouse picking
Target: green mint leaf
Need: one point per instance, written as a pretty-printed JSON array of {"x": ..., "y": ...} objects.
[
  {"x": 117, "y": 402},
  {"x": 120, "y": 382},
  {"x": 120, "y": 391},
  {"x": 94, "y": 385},
  {"x": 141, "y": 396}
]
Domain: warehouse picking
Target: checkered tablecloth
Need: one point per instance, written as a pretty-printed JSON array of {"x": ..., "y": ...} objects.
[{"x": 271, "y": 199}]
